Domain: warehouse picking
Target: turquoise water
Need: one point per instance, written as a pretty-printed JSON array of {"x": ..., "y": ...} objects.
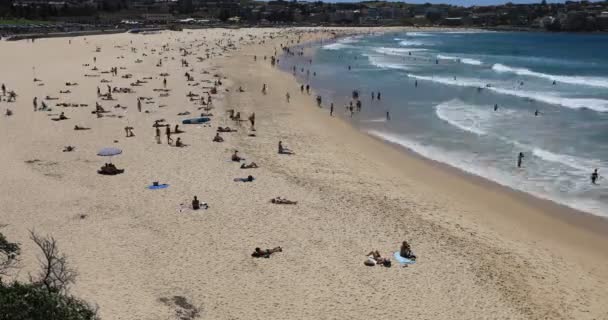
[{"x": 441, "y": 90}]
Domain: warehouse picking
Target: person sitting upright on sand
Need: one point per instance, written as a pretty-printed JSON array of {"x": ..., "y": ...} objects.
[
  {"x": 236, "y": 157},
  {"x": 218, "y": 138},
  {"x": 196, "y": 204},
  {"x": 283, "y": 150},
  {"x": 406, "y": 251}
]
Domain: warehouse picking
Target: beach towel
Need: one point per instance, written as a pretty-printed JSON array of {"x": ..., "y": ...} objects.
[
  {"x": 160, "y": 186},
  {"x": 402, "y": 260}
]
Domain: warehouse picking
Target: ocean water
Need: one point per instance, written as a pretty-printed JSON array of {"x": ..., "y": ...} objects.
[{"x": 441, "y": 88}]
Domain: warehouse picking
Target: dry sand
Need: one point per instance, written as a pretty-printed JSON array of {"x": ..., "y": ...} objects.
[{"x": 484, "y": 252}]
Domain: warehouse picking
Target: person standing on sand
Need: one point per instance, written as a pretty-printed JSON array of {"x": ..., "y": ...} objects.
[
  {"x": 378, "y": 96},
  {"x": 35, "y": 103},
  {"x": 139, "y": 104},
  {"x": 3, "y": 89},
  {"x": 301, "y": 88},
  {"x": 157, "y": 134},
  {"x": 168, "y": 133},
  {"x": 165, "y": 82},
  {"x": 520, "y": 159},
  {"x": 252, "y": 120},
  {"x": 287, "y": 96},
  {"x": 331, "y": 109}
]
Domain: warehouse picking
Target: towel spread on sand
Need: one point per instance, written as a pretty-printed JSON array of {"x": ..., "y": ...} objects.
[
  {"x": 160, "y": 186},
  {"x": 403, "y": 260}
]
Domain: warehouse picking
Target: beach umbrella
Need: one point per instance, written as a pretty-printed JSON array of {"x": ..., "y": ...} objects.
[{"x": 109, "y": 152}]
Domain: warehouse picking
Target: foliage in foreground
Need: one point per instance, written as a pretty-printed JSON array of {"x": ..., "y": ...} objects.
[
  {"x": 45, "y": 297},
  {"x": 27, "y": 301}
]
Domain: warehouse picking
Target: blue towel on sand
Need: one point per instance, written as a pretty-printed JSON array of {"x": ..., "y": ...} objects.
[
  {"x": 403, "y": 260},
  {"x": 160, "y": 186}
]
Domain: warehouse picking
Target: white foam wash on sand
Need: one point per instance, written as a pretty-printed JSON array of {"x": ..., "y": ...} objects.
[
  {"x": 575, "y": 80},
  {"x": 466, "y": 162}
]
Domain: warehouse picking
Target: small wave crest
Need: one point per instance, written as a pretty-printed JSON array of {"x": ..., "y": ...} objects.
[
  {"x": 463, "y": 60},
  {"x": 397, "y": 51},
  {"x": 599, "y": 105},
  {"x": 408, "y": 43},
  {"x": 383, "y": 63},
  {"x": 575, "y": 80}
]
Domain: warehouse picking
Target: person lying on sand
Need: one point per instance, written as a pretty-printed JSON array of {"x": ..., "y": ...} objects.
[
  {"x": 259, "y": 253},
  {"x": 218, "y": 138},
  {"x": 81, "y": 128},
  {"x": 374, "y": 258},
  {"x": 249, "y": 178},
  {"x": 225, "y": 129},
  {"x": 283, "y": 150},
  {"x": 252, "y": 165},
  {"x": 279, "y": 200},
  {"x": 69, "y": 84},
  {"x": 61, "y": 117},
  {"x": 69, "y": 148},
  {"x": 65, "y": 91},
  {"x": 184, "y": 113}
]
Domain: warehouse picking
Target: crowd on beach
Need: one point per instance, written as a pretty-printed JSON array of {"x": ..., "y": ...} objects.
[{"x": 201, "y": 96}]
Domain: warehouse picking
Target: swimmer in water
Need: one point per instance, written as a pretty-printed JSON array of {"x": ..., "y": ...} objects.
[
  {"x": 536, "y": 113},
  {"x": 520, "y": 159},
  {"x": 594, "y": 177}
]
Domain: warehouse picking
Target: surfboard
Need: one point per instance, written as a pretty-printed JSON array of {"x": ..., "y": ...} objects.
[{"x": 195, "y": 120}]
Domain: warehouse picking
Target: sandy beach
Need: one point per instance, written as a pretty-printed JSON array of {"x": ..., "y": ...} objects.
[{"x": 484, "y": 251}]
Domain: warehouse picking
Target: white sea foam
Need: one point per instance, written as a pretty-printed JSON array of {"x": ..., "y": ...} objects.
[
  {"x": 336, "y": 46},
  {"x": 397, "y": 51},
  {"x": 409, "y": 43},
  {"x": 341, "y": 44},
  {"x": 468, "y": 163},
  {"x": 575, "y": 80},
  {"x": 463, "y": 60},
  {"x": 599, "y": 105},
  {"x": 420, "y": 34},
  {"x": 580, "y": 164},
  {"x": 382, "y": 62},
  {"x": 474, "y": 119}
]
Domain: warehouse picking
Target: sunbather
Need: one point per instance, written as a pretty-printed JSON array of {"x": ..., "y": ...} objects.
[
  {"x": 279, "y": 200},
  {"x": 81, "y": 128},
  {"x": 259, "y": 253},
  {"x": 406, "y": 251},
  {"x": 252, "y": 165},
  {"x": 218, "y": 138},
  {"x": 69, "y": 148},
  {"x": 235, "y": 157},
  {"x": 110, "y": 169},
  {"x": 225, "y": 129},
  {"x": 283, "y": 150}
]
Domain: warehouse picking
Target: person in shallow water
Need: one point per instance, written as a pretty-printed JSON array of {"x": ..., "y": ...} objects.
[
  {"x": 520, "y": 159},
  {"x": 594, "y": 177},
  {"x": 496, "y": 107}
]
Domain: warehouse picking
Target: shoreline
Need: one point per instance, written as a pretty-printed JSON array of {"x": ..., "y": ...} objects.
[{"x": 593, "y": 221}]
